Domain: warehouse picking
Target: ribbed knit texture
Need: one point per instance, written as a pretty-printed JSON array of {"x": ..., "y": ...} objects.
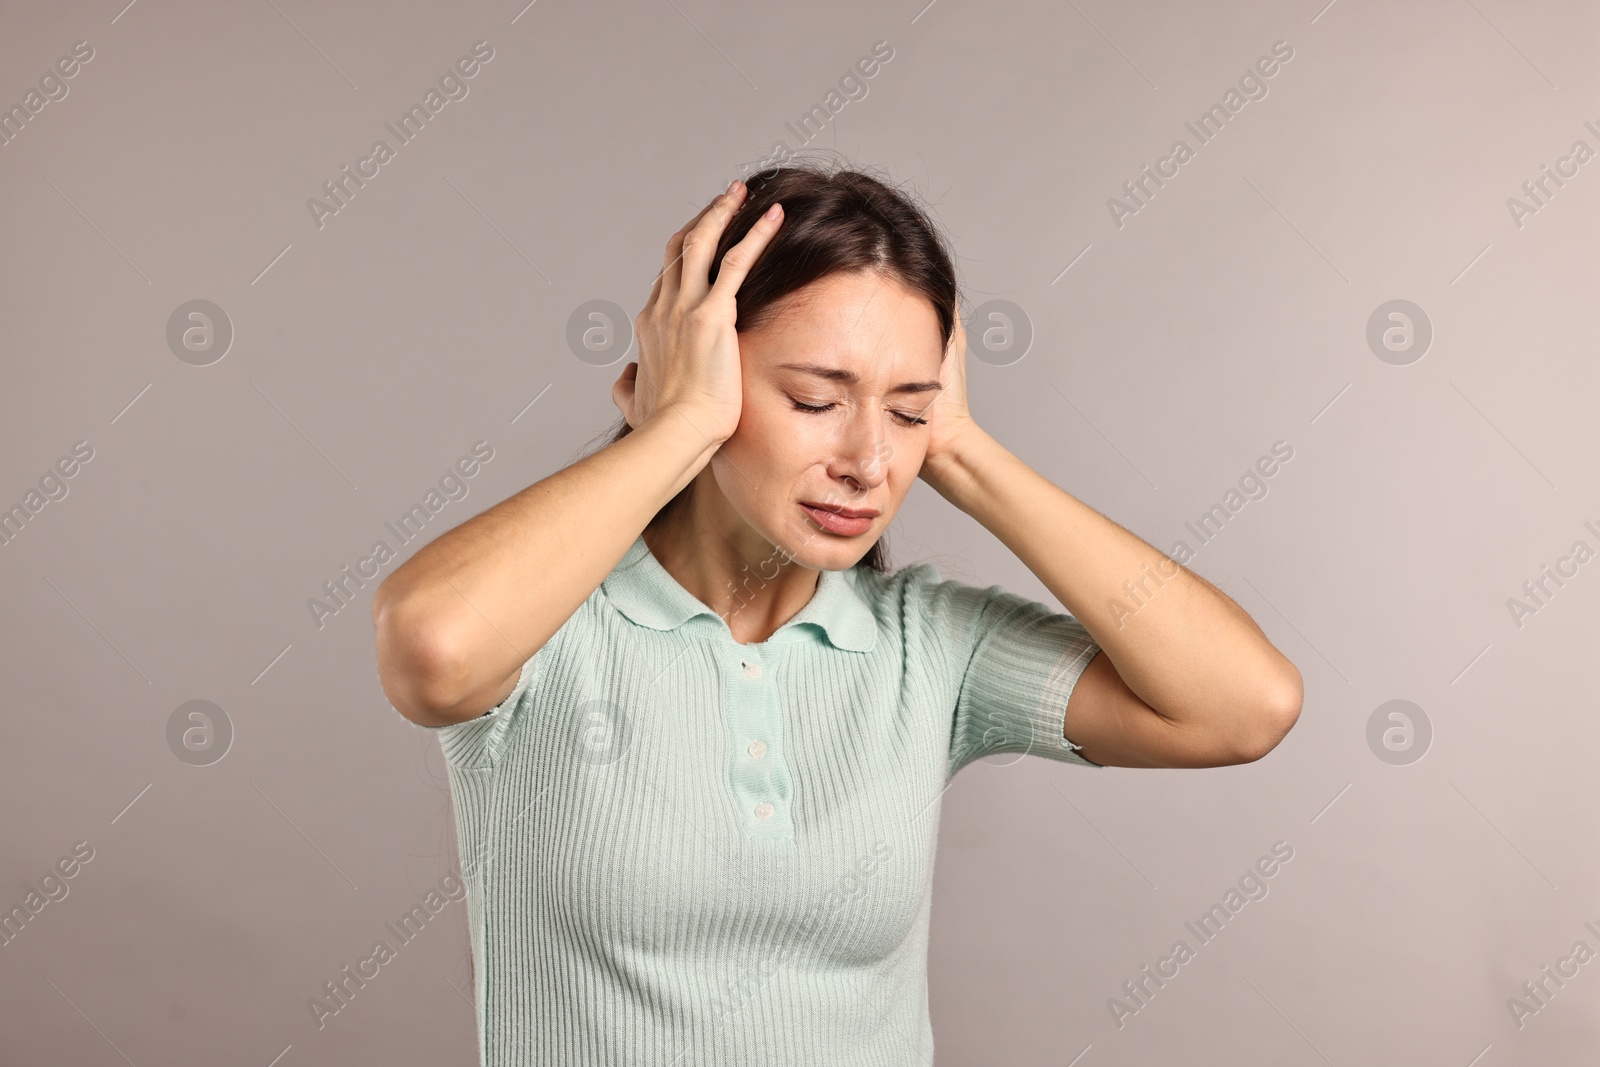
[{"x": 681, "y": 850}]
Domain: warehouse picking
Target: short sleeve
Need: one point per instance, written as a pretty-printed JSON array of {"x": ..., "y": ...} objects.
[
  {"x": 1017, "y": 662},
  {"x": 476, "y": 743}
]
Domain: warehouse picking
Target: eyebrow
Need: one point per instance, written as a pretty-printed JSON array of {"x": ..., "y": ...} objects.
[{"x": 839, "y": 374}]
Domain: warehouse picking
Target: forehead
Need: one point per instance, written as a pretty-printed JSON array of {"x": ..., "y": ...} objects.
[{"x": 865, "y": 322}]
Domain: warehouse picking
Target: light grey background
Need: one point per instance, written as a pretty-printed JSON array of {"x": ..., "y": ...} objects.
[{"x": 1229, "y": 313}]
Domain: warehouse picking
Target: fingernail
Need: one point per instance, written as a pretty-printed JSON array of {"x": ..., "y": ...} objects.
[
  {"x": 772, "y": 212},
  {"x": 733, "y": 185}
]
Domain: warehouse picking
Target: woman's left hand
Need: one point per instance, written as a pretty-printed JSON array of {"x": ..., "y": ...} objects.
[{"x": 948, "y": 416}]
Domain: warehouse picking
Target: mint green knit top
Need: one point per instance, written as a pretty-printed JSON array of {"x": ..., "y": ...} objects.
[{"x": 682, "y": 850}]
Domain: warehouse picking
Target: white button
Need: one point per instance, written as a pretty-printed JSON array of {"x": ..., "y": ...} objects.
[
  {"x": 752, "y": 670},
  {"x": 757, "y": 749},
  {"x": 763, "y": 810}
]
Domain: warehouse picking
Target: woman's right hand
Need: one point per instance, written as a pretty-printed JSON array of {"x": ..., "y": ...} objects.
[{"x": 688, "y": 348}]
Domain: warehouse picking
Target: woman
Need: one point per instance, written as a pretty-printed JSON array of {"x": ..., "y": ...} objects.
[{"x": 697, "y": 731}]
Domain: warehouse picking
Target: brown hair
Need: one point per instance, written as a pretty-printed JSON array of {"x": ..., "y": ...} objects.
[{"x": 835, "y": 221}]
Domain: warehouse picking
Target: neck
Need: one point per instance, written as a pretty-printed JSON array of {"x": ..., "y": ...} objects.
[{"x": 752, "y": 585}]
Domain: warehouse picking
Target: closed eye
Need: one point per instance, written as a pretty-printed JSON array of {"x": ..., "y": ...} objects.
[{"x": 908, "y": 420}]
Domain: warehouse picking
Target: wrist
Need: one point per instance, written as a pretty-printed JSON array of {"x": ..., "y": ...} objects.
[
  {"x": 677, "y": 440},
  {"x": 952, "y": 466},
  {"x": 693, "y": 427}
]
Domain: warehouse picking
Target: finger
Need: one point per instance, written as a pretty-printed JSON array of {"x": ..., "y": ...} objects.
[
  {"x": 671, "y": 271},
  {"x": 668, "y": 275},
  {"x": 622, "y": 391},
  {"x": 958, "y": 332},
  {"x": 700, "y": 244},
  {"x": 738, "y": 260}
]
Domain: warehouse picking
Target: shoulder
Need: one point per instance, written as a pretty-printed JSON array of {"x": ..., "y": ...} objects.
[
  {"x": 888, "y": 589},
  {"x": 921, "y": 586},
  {"x": 930, "y": 611}
]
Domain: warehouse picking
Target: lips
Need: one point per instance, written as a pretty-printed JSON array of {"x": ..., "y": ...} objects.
[
  {"x": 842, "y": 522},
  {"x": 849, "y": 513}
]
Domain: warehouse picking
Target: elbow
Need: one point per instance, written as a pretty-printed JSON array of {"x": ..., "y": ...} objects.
[
  {"x": 1271, "y": 718},
  {"x": 415, "y": 664}
]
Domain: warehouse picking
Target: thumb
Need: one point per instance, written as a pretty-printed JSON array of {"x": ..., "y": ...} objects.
[{"x": 622, "y": 392}]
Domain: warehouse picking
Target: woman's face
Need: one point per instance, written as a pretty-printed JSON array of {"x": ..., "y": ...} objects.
[{"x": 867, "y": 351}]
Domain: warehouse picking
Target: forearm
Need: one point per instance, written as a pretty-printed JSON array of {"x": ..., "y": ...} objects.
[
  {"x": 472, "y": 605},
  {"x": 1179, "y": 643}
]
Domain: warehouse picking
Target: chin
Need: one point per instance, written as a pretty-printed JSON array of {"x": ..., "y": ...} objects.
[{"x": 819, "y": 550}]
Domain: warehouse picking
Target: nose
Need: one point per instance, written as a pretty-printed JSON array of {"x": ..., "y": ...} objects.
[{"x": 864, "y": 450}]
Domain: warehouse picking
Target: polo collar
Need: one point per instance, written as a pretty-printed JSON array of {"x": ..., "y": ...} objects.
[{"x": 644, "y": 591}]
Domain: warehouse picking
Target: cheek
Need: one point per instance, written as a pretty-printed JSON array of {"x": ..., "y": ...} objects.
[
  {"x": 754, "y": 440},
  {"x": 777, "y": 436},
  {"x": 763, "y": 456},
  {"x": 906, "y": 461}
]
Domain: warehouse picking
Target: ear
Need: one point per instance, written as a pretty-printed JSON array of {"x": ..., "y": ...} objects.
[{"x": 622, "y": 392}]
